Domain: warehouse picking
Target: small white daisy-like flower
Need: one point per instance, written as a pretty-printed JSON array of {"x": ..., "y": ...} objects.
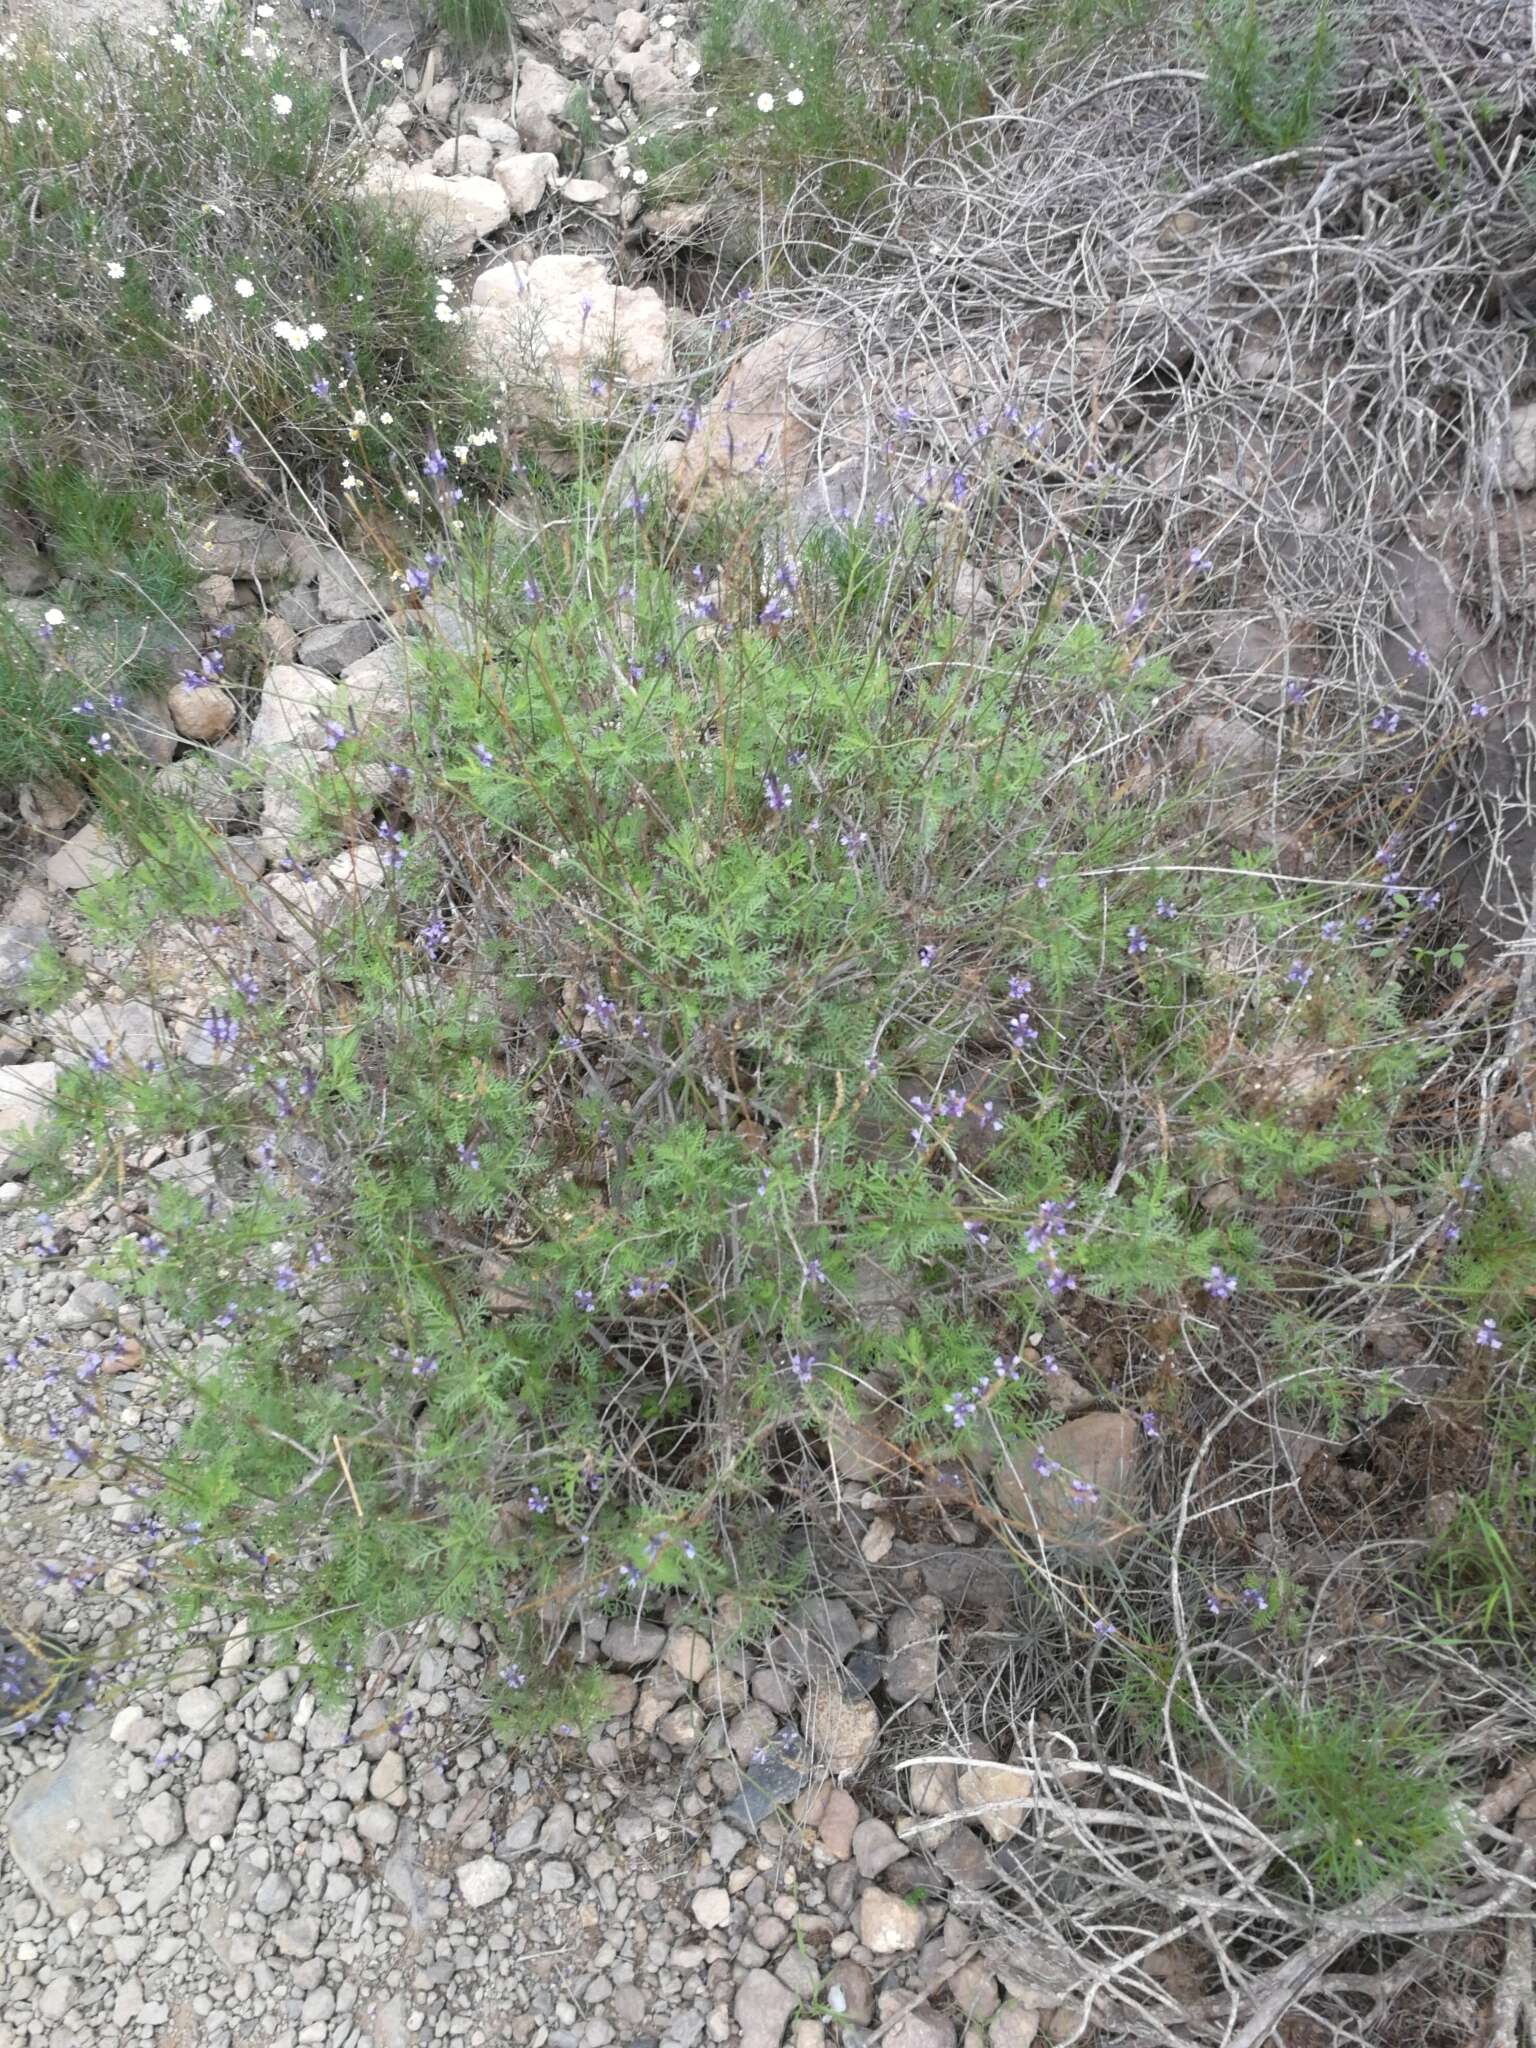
[
  {"x": 461, "y": 452},
  {"x": 710, "y": 113},
  {"x": 116, "y": 271},
  {"x": 359, "y": 418},
  {"x": 413, "y": 496},
  {"x": 351, "y": 483},
  {"x": 765, "y": 103},
  {"x": 386, "y": 419},
  {"x": 394, "y": 64},
  {"x": 444, "y": 312},
  {"x": 445, "y": 286},
  {"x": 692, "y": 68},
  {"x": 53, "y": 616},
  {"x": 244, "y": 288},
  {"x": 316, "y": 332},
  {"x": 295, "y": 337},
  {"x": 181, "y": 46},
  {"x": 282, "y": 105},
  {"x": 15, "y": 116},
  {"x": 198, "y": 308},
  {"x": 641, "y": 177},
  {"x": 265, "y": 13},
  {"x": 795, "y": 97}
]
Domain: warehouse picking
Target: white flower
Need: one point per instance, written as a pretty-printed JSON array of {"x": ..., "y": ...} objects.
[
  {"x": 445, "y": 312},
  {"x": 244, "y": 288},
  {"x": 765, "y": 103},
  {"x": 641, "y": 177},
  {"x": 394, "y": 64},
  {"x": 315, "y": 331},
  {"x": 181, "y": 46},
  {"x": 795, "y": 97},
  {"x": 295, "y": 337},
  {"x": 116, "y": 271},
  {"x": 359, "y": 419},
  {"x": 282, "y": 106},
  {"x": 351, "y": 483},
  {"x": 198, "y": 308},
  {"x": 445, "y": 286},
  {"x": 265, "y": 13},
  {"x": 710, "y": 113},
  {"x": 413, "y": 496},
  {"x": 53, "y": 616},
  {"x": 15, "y": 116},
  {"x": 692, "y": 68},
  {"x": 461, "y": 452},
  {"x": 386, "y": 419}
]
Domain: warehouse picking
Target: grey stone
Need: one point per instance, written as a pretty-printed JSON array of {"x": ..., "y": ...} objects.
[
  {"x": 87, "y": 857},
  {"x": 230, "y": 545},
  {"x": 376, "y": 1823},
  {"x": 485, "y": 1880},
  {"x": 26, "y": 1097},
  {"x": 763, "y": 2007},
  {"x": 59, "y": 1815},
  {"x": 1098, "y": 1451},
  {"x": 912, "y": 1667},
  {"x": 199, "y": 1709},
  {"x": 273, "y": 1895},
  {"x": 876, "y": 1847},
  {"x": 160, "y": 1819},
  {"x": 633, "y": 1643},
  {"x": 164, "y": 1880},
  {"x": 331, "y": 648},
  {"x": 299, "y": 1936},
  {"x": 20, "y": 945},
  {"x": 886, "y": 1925},
  {"x": 922, "y": 2027},
  {"x": 772, "y": 1782},
  {"x": 556, "y": 1876},
  {"x": 212, "y": 1809}
]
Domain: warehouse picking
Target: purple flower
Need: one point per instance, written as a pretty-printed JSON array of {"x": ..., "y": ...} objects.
[
  {"x": 1487, "y": 1335},
  {"x": 776, "y": 794},
  {"x": 392, "y": 848},
  {"x": 636, "y": 503},
  {"x": 469, "y": 1158},
  {"x": 321, "y": 387},
  {"x": 435, "y": 463},
  {"x": 1254, "y": 1600},
  {"x": 925, "y": 956},
  {"x": 513, "y": 1677},
  {"x": 1198, "y": 560},
  {"x": 987, "y": 1116},
  {"x": 774, "y": 612},
  {"x": 1135, "y": 612},
  {"x": 977, "y": 1232},
  {"x": 585, "y": 1300},
  {"x": 1135, "y": 940},
  {"x": 1103, "y": 1628},
  {"x": 538, "y": 1504},
  {"x": 1298, "y": 974},
  {"x": 98, "y": 1061},
  {"x": 1045, "y": 1468},
  {"x": 853, "y": 843},
  {"x": 1164, "y": 909},
  {"x": 220, "y": 1028},
  {"x": 1387, "y": 719},
  {"x": 1332, "y": 929},
  {"x": 285, "y": 1279},
  {"x": 1083, "y": 1491},
  {"x": 952, "y": 1104},
  {"x": 234, "y": 445},
  {"x": 334, "y": 735},
  {"x": 813, "y": 1273},
  {"x": 418, "y": 580},
  {"x": 1477, "y": 708},
  {"x": 531, "y": 591},
  {"x": 1020, "y": 1030},
  {"x": 1419, "y": 657},
  {"x": 803, "y": 1365},
  {"x": 432, "y": 934},
  {"x": 246, "y": 985},
  {"x": 100, "y": 743},
  {"x": 1149, "y": 1426},
  {"x": 423, "y": 1367},
  {"x": 1221, "y": 1285}
]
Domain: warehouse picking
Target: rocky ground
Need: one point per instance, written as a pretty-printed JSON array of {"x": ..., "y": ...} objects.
[{"x": 208, "y": 1850}]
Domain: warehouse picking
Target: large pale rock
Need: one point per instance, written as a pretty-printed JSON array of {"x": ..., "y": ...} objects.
[
  {"x": 26, "y": 1096},
  {"x": 294, "y": 701},
  {"x": 526, "y": 178},
  {"x": 563, "y": 318},
  {"x": 842, "y": 1732},
  {"x": 887, "y": 1925},
  {"x": 997, "y": 1796},
  {"x": 452, "y": 213},
  {"x": 543, "y": 96},
  {"x": 58, "y": 1816},
  {"x": 207, "y": 714},
  {"x": 466, "y": 156},
  {"x": 1515, "y": 459},
  {"x": 762, "y": 2009},
  {"x": 86, "y": 858},
  {"x": 1096, "y": 1516},
  {"x": 129, "y": 1033},
  {"x": 760, "y": 425},
  {"x": 230, "y": 545}
]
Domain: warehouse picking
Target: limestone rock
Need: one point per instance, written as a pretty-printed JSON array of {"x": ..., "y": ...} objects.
[
  {"x": 543, "y": 96},
  {"x": 453, "y": 213},
  {"x": 758, "y": 426},
  {"x": 206, "y": 714},
  {"x": 462, "y": 156},
  {"x": 484, "y": 1881},
  {"x": 526, "y": 178},
  {"x": 1086, "y": 1506},
  {"x": 83, "y": 860},
  {"x": 229, "y": 544},
  {"x": 886, "y": 1925},
  {"x": 762, "y": 2009},
  {"x": 26, "y": 1096},
  {"x": 562, "y": 317},
  {"x": 998, "y": 1796}
]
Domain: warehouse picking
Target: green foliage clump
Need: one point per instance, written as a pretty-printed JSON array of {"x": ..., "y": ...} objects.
[
  {"x": 196, "y": 297},
  {"x": 1270, "y": 65},
  {"x": 1354, "y": 1793}
]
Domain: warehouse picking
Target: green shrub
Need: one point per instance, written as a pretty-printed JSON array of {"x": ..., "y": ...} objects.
[
  {"x": 170, "y": 209},
  {"x": 1355, "y": 1794},
  {"x": 1270, "y": 65}
]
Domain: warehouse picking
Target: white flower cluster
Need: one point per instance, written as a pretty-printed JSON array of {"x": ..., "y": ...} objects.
[{"x": 299, "y": 338}]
